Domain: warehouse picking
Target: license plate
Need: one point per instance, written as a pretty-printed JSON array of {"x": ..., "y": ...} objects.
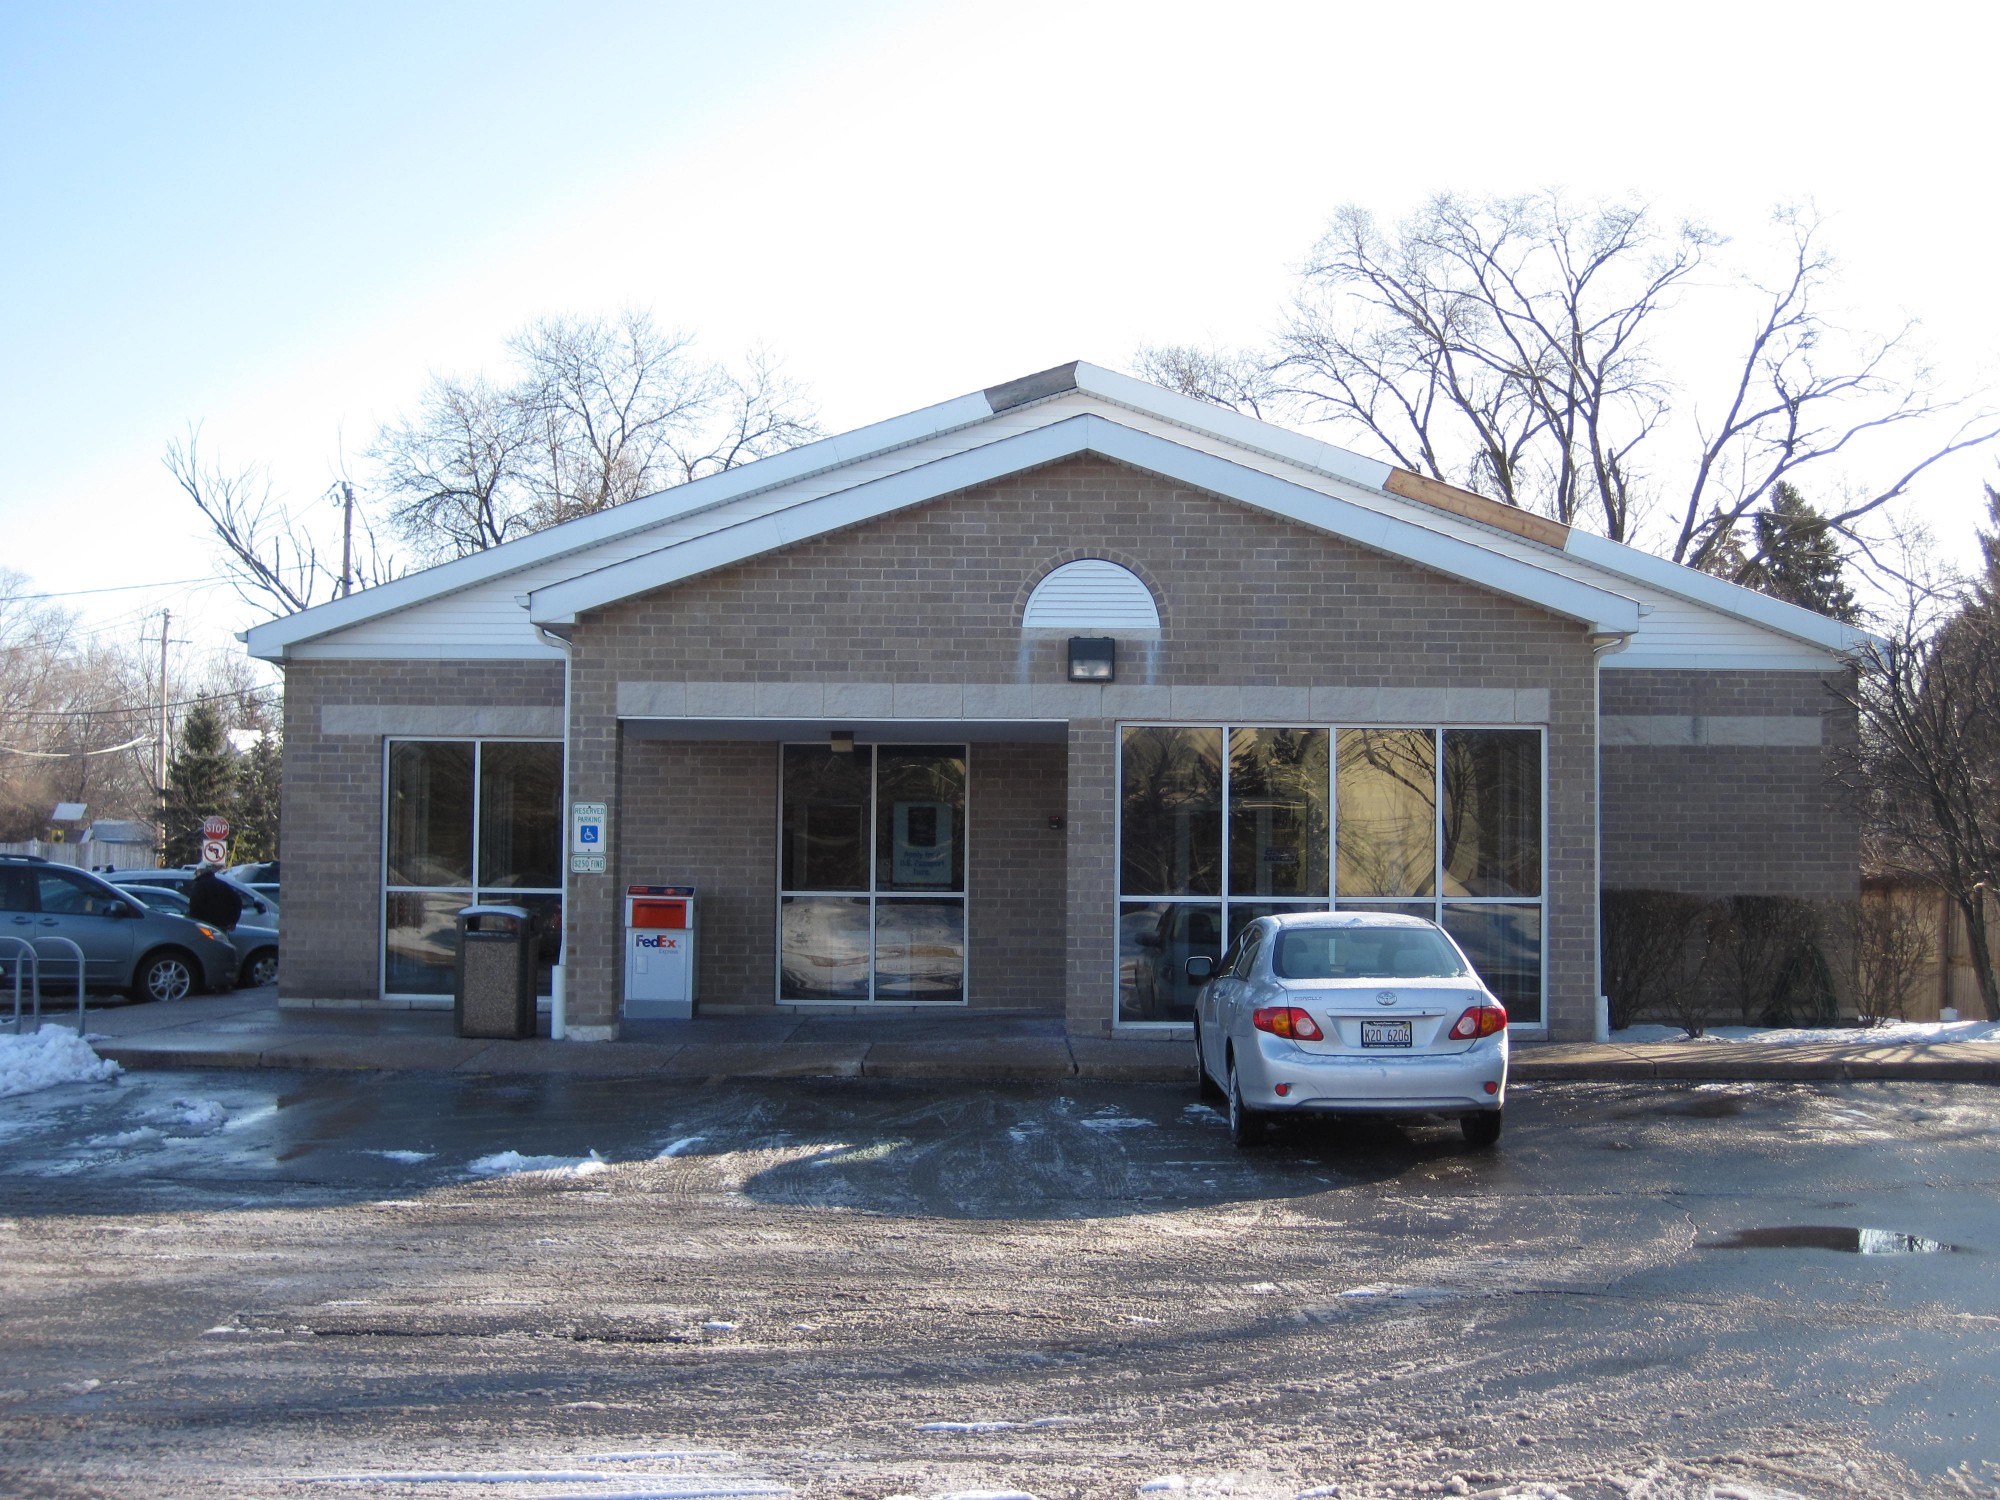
[{"x": 1385, "y": 1033}]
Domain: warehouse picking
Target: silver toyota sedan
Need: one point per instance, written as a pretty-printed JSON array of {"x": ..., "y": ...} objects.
[{"x": 1352, "y": 1013}]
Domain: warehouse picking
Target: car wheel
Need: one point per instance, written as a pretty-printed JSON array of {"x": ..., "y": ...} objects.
[
  {"x": 1246, "y": 1126},
  {"x": 1205, "y": 1088},
  {"x": 260, "y": 967},
  {"x": 1481, "y": 1129},
  {"x": 166, "y": 975}
]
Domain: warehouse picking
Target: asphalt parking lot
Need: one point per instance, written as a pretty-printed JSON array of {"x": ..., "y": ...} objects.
[{"x": 259, "y": 1283}]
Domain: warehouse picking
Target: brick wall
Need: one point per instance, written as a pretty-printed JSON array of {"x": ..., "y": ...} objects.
[
  {"x": 1728, "y": 819},
  {"x": 331, "y": 823},
  {"x": 933, "y": 594}
]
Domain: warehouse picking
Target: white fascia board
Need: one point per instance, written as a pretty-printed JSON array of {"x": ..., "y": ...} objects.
[
  {"x": 1601, "y": 609},
  {"x": 1233, "y": 427},
  {"x": 1718, "y": 594},
  {"x": 271, "y": 640}
]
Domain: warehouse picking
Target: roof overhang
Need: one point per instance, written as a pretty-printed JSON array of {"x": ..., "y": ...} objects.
[{"x": 1600, "y": 610}]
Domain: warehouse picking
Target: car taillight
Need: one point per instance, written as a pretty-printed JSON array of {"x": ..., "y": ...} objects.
[
  {"x": 1478, "y": 1021},
  {"x": 1287, "y": 1021}
]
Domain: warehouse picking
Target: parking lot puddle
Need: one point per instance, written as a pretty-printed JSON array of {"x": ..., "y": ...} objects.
[{"x": 1830, "y": 1237}]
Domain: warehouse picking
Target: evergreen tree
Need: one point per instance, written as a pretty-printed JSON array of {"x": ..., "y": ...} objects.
[
  {"x": 201, "y": 782},
  {"x": 257, "y": 782},
  {"x": 1800, "y": 559},
  {"x": 1987, "y": 586}
]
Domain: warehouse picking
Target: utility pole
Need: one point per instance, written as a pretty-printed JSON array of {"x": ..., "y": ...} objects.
[
  {"x": 346, "y": 537},
  {"x": 160, "y": 754}
]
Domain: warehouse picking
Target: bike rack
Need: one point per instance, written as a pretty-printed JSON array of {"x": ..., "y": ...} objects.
[
  {"x": 72, "y": 946},
  {"x": 34, "y": 961}
]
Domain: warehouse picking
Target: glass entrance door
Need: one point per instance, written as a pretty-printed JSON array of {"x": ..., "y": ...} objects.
[{"x": 871, "y": 874}]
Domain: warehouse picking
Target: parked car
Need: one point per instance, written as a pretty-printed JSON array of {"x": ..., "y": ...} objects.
[
  {"x": 1349, "y": 1013},
  {"x": 258, "y": 909},
  {"x": 260, "y": 875},
  {"x": 151, "y": 955},
  {"x": 256, "y": 946}
]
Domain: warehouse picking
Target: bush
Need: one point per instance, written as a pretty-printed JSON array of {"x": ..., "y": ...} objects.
[
  {"x": 1895, "y": 943},
  {"x": 1656, "y": 953},
  {"x": 1774, "y": 960}
]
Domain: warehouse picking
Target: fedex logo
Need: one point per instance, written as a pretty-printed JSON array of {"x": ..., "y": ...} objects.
[{"x": 662, "y": 941}]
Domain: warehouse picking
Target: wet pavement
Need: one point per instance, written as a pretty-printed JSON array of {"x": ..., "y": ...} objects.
[{"x": 271, "y": 1283}]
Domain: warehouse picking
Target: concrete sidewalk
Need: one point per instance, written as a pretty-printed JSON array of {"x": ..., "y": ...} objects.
[{"x": 250, "y": 1030}]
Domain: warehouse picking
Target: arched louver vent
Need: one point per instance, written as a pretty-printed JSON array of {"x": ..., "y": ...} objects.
[{"x": 1091, "y": 594}]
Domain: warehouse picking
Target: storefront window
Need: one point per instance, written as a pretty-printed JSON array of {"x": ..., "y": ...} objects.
[
  {"x": 430, "y": 814},
  {"x": 1277, "y": 812},
  {"x": 1492, "y": 812},
  {"x": 1386, "y": 784},
  {"x": 887, "y": 822},
  {"x": 456, "y": 806},
  {"x": 520, "y": 817},
  {"x": 1155, "y": 941},
  {"x": 1442, "y": 824},
  {"x": 1172, "y": 801},
  {"x": 825, "y": 834}
]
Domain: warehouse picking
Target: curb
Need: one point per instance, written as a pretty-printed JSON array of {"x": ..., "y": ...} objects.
[{"x": 1097, "y": 1059}]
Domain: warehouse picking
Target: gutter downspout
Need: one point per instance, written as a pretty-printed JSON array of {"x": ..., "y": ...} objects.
[
  {"x": 558, "y": 980},
  {"x": 1603, "y": 643}
]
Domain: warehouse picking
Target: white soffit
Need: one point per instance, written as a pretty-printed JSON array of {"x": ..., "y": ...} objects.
[
  {"x": 1599, "y": 608},
  {"x": 1091, "y": 594}
]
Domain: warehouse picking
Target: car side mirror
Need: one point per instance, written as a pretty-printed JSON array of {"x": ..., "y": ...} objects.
[
  {"x": 1200, "y": 969},
  {"x": 126, "y": 909}
]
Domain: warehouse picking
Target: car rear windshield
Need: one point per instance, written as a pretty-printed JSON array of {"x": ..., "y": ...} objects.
[{"x": 1365, "y": 953}]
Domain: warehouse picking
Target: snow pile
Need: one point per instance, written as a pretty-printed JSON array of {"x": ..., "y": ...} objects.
[
  {"x": 508, "y": 1163},
  {"x": 1888, "y": 1034},
  {"x": 407, "y": 1158},
  {"x": 198, "y": 1116},
  {"x": 42, "y": 1059}
]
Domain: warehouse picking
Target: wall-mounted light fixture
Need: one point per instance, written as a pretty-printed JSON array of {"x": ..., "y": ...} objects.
[
  {"x": 1093, "y": 658},
  {"x": 843, "y": 742}
]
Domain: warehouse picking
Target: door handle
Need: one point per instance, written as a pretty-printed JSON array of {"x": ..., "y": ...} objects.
[{"x": 48, "y": 921}]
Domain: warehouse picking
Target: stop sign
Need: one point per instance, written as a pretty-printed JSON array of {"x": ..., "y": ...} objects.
[{"x": 215, "y": 828}]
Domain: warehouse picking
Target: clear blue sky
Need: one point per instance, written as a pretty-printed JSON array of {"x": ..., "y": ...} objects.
[{"x": 278, "y": 220}]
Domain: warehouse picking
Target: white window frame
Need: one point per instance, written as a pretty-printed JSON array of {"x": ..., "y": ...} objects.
[
  {"x": 872, "y": 895},
  {"x": 384, "y": 890},
  {"x": 1333, "y": 901}
]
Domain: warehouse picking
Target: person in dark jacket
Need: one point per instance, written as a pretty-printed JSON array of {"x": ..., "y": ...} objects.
[{"x": 210, "y": 901}]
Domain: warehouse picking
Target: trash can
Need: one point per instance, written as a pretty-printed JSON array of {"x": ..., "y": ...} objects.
[{"x": 493, "y": 992}]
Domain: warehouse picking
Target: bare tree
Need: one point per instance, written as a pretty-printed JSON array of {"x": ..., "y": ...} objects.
[
  {"x": 1926, "y": 768},
  {"x": 456, "y": 470},
  {"x": 1240, "y": 379},
  {"x": 278, "y": 561},
  {"x": 600, "y": 412},
  {"x": 1511, "y": 345}
]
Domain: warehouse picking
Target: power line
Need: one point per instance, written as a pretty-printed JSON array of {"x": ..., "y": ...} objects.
[
  {"x": 66, "y": 754},
  {"x": 137, "y": 708},
  {"x": 119, "y": 588}
]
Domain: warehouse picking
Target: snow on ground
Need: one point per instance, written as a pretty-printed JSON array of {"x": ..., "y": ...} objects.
[
  {"x": 1888, "y": 1034},
  {"x": 197, "y": 1116},
  {"x": 507, "y": 1163},
  {"x": 42, "y": 1059},
  {"x": 407, "y": 1158}
]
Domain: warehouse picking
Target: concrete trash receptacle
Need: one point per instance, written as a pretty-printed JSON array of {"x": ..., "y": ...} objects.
[{"x": 493, "y": 993}]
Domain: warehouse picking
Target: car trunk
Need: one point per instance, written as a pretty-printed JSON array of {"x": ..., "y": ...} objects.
[{"x": 1384, "y": 1018}]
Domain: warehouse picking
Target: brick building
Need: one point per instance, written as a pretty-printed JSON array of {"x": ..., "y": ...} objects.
[{"x": 1020, "y": 700}]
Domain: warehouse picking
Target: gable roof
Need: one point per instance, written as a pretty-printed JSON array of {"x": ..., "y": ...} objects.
[{"x": 496, "y": 597}]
